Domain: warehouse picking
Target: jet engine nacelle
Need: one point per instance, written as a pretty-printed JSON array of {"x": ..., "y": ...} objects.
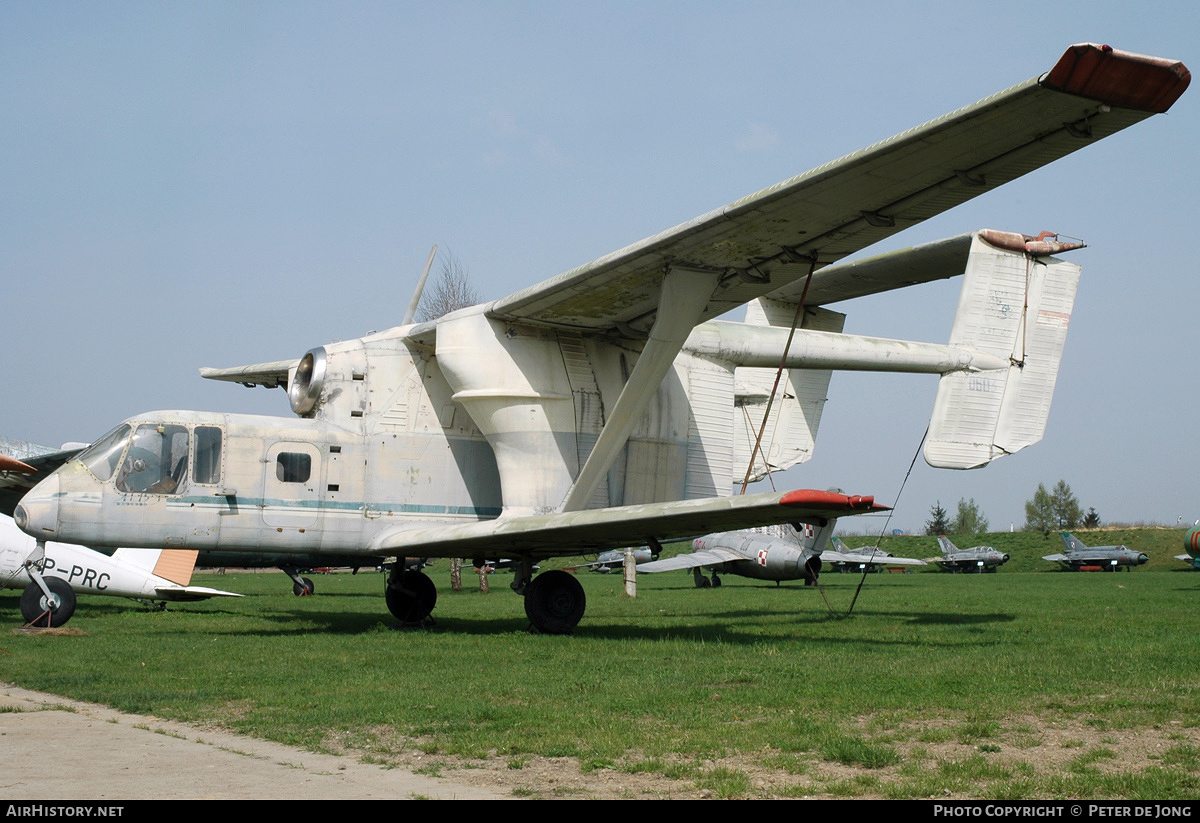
[
  {"x": 1191, "y": 542},
  {"x": 329, "y": 382},
  {"x": 306, "y": 381}
]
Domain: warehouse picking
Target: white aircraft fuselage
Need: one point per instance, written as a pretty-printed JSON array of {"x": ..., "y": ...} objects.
[
  {"x": 138, "y": 574},
  {"x": 402, "y": 437},
  {"x": 608, "y": 406}
]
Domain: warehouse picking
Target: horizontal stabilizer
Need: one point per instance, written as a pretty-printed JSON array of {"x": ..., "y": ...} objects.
[
  {"x": 1016, "y": 306},
  {"x": 268, "y": 375},
  {"x": 190, "y": 593}
]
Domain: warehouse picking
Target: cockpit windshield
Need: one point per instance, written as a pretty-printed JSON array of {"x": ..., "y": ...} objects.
[
  {"x": 157, "y": 460},
  {"x": 102, "y": 457},
  {"x": 157, "y": 457}
]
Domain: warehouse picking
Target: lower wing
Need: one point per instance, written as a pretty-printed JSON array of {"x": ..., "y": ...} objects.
[{"x": 590, "y": 530}]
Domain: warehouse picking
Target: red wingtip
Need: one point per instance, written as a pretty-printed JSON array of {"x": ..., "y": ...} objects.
[
  {"x": 811, "y": 498},
  {"x": 10, "y": 464},
  {"x": 1119, "y": 78}
]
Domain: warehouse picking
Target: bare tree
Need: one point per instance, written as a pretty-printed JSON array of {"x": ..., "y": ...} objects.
[{"x": 452, "y": 291}]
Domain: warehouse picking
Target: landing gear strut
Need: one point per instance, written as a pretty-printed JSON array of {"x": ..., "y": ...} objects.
[
  {"x": 554, "y": 602},
  {"x": 410, "y": 595}
]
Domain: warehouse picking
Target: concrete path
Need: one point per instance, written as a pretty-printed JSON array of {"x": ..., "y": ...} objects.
[{"x": 52, "y": 748}]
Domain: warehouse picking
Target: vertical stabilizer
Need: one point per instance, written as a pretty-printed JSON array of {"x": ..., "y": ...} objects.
[
  {"x": 815, "y": 537},
  {"x": 1072, "y": 543},
  {"x": 1015, "y": 305},
  {"x": 175, "y": 565}
]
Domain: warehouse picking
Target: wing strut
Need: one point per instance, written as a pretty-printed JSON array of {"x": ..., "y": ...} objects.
[
  {"x": 685, "y": 295},
  {"x": 812, "y": 266}
]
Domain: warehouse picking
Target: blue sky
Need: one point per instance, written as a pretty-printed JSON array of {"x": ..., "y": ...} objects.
[{"x": 211, "y": 184}]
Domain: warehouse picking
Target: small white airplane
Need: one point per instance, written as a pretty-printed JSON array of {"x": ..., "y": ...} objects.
[
  {"x": 864, "y": 558},
  {"x": 607, "y": 406},
  {"x": 48, "y": 600},
  {"x": 974, "y": 559}
]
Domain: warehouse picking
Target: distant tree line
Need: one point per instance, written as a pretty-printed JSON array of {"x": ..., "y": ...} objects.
[
  {"x": 1057, "y": 510},
  {"x": 1048, "y": 511},
  {"x": 968, "y": 520}
]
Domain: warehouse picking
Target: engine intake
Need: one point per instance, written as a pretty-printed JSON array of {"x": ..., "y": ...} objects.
[{"x": 304, "y": 389}]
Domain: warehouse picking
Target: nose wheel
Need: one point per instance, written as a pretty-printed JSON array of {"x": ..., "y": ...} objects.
[
  {"x": 48, "y": 611},
  {"x": 301, "y": 586}
]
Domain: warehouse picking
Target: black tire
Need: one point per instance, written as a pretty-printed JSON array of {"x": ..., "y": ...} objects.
[
  {"x": 304, "y": 590},
  {"x": 38, "y": 612},
  {"x": 555, "y": 602},
  {"x": 703, "y": 583},
  {"x": 716, "y": 581},
  {"x": 411, "y": 596}
]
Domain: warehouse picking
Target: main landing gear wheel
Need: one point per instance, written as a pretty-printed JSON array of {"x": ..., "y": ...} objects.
[
  {"x": 304, "y": 588},
  {"x": 410, "y": 596},
  {"x": 699, "y": 579},
  {"x": 554, "y": 602},
  {"x": 48, "y": 613}
]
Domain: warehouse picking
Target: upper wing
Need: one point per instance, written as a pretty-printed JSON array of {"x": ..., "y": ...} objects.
[
  {"x": 764, "y": 242},
  {"x": 588, "y": 530}
]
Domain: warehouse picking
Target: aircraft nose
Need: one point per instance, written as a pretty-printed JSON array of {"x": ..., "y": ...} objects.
[{"x": 37, "y": 513}]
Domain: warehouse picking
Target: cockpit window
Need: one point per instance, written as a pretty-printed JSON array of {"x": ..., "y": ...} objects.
[
  {"x": 102, "y": 457},
  {"x": 207, "y": 466},
  {"x": 156, "y": 462}
]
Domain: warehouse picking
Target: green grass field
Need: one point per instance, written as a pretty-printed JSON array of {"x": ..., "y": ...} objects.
[{"x": 1025, "y": 683}]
